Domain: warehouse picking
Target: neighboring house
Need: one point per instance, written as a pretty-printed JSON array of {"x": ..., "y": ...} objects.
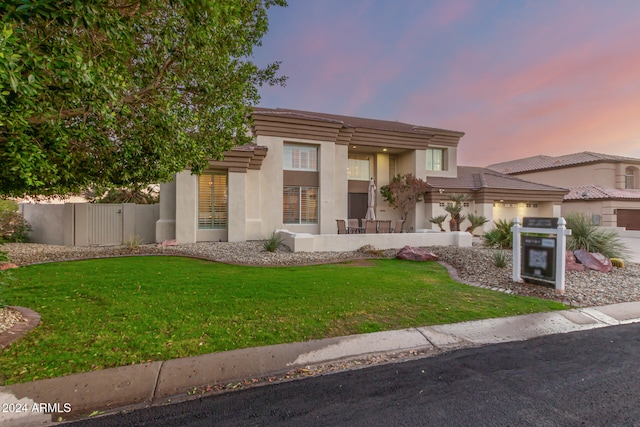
[
  {"x": 606, "y": 187},
  {"x": 308, "y": 169}
]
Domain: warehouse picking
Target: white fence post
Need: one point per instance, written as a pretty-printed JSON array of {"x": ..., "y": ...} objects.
[
  {"x": 561, "y": 249},
  {"x": 515, "y": 254}
]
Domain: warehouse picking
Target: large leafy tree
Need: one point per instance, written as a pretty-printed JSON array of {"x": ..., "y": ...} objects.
[{"x": 123, "y": 92}]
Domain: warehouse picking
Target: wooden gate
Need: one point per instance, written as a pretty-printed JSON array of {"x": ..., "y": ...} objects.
[{"x": 105, "y": 224}]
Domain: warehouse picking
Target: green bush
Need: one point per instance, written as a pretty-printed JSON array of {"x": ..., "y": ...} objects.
[
  {"x": 13, "y": 227},
  {"x": 272, "y": 243},
  {"x": 588, "y": 236},
  {"x": 500, "y": 236}
]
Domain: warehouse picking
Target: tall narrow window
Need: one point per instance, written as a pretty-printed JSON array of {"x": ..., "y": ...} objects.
[
  {"x": 435, "y": 159},
  {"x": 630, "y": 178},
  {"x": 212, "y": 200},
  {"x": 300, "y": 157},
  {"x": 359, "y": 169},
  {"x": 300, "y": 205}
]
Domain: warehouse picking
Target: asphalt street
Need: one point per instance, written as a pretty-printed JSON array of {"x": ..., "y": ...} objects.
[{"x": 587, "y": 378}]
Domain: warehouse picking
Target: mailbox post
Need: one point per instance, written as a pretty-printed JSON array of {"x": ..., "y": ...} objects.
[{"x": 544, "y": 257}]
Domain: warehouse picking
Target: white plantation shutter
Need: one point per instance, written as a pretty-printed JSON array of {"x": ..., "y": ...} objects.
[
  {"x": 212, "y": 200},
  {"x": 300, "y": 157},
  {"x": 300, "y": 205}
]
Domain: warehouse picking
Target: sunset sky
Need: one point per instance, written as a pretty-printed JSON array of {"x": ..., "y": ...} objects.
[{"x": 520, "y": 78}]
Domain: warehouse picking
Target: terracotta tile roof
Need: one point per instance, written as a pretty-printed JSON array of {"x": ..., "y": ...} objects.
[
  {"x": 547, "y": 162},
  {"x": 592, "y": 192},
  {"x": 355, "y": 122},
  {"x": 475, "y": 178}
]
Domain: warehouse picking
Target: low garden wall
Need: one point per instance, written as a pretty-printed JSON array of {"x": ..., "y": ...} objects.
[{"x": 303, "y": 242}]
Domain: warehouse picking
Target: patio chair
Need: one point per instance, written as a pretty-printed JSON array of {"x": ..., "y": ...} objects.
[
  {"x": 353, "y": 226},
  {"x": 370, "y": 227},
  {"x": 398, "y": 227},
  {"x": 342, "y": 228},
  {"x": 384, "y": 226}
]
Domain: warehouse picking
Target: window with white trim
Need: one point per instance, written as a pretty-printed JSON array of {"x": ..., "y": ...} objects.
[
  {"x": 299, "y": 157},
  {"x": 435, "y": 159},
  {"x": 358, "y": 168},
  {"x": 212, "y": 200},
  {"x": 630, "y": 178},
  {"x": 300, "y": 205}
]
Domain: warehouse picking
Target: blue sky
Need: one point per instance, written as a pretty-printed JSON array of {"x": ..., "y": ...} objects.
[{"x": 520, "y": 78}]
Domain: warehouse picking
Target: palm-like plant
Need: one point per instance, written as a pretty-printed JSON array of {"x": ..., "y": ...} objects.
[
  {"x": 588, "y": 236},
  {"x": 455, "y": 209},
  {"x": 438, "y": 220},
  {"x": 476, "y": 221}
]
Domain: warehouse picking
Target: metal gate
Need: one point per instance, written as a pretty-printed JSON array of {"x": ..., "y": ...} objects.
[{"x": 105, "y": 224}]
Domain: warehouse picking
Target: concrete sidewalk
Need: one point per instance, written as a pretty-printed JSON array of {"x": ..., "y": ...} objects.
[{"x": 158, "y": 383}]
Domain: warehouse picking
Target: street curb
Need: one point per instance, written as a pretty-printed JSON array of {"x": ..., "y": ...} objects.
[{"x": 159, "y": 382}]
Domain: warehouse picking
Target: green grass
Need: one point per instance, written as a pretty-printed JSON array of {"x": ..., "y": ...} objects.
[{"x": 111, "y": 312}]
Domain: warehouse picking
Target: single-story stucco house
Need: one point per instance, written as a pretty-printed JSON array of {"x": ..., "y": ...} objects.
[{"x": 307, "y": 169}]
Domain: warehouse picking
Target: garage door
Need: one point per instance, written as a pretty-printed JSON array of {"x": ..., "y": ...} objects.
[
  {"x": 629, "y": 218},
  {"x": 509, "y": 210}
]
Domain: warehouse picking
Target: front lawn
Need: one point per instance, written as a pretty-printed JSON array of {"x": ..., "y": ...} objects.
[{"x": 111, "y": 312}]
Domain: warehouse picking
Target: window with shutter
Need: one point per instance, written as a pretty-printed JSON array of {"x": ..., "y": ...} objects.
[{"x": 212, "y": 200}]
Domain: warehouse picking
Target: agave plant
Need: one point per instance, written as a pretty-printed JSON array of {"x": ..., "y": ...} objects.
[{"x": 588, "y": 236}]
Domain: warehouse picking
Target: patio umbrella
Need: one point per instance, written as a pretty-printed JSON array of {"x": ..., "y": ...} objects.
[{"x": 371, "y": 213}]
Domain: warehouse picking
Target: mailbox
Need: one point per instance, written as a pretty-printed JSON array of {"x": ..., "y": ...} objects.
[{"x": 539, "y": 258}]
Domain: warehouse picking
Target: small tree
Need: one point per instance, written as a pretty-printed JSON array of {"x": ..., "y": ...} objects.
[
  {"x": 438, "y": 220},
  {"x": 404, "y": 192},
  {"x": 455, "y": 209},
  {"x": 476, "y": 221}
]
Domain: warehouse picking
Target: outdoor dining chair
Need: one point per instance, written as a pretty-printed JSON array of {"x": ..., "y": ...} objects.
[
  {"x": 384, "y": 226},
  {"x": 398, "y": 227},
  {"x": 353, "y": 226},
  {"x": 342, "y": 228},
  {"x": 370, "y": 227}
]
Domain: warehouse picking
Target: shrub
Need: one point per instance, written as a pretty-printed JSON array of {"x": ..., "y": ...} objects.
[
  {"x": 272, "y": 243},
  {"x": 500, "y": 258},
  {"x": 588, "y": 236},
  {"x": 501, "y": 236},
  {"x": 142, "y": 196},
  {"x": 13, "y": 227}
]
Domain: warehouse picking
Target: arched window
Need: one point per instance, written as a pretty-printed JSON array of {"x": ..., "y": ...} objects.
[{"x": 630, "y": 179}]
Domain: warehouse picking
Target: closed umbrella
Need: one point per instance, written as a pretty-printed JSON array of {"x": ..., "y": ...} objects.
[{"x": 371, "y": 213}]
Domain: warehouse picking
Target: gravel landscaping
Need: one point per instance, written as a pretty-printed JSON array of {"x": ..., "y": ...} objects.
[{"x": 473, "y": 265}]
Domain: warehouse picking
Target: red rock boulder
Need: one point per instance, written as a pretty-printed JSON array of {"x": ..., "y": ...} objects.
[
  {"x": 416, "y": 254},
  {"x": 571, "y": 264},
  {"x": 593, "y": 261}
]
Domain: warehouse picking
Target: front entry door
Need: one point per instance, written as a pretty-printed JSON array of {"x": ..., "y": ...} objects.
[{"x": 358, "y": 205}]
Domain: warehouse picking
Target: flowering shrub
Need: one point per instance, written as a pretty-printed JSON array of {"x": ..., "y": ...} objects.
[{"x": 13, "y": 227}]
